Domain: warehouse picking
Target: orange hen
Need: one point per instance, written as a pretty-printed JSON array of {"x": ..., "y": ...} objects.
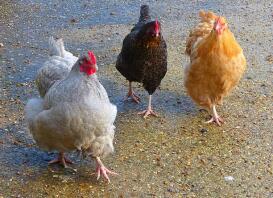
[{"x": 216, "y": 63}]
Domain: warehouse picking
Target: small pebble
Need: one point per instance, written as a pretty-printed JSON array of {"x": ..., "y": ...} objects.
[
  {"x": 229, "y": 178},
  {"x": 172, "y": 190},
  {"x": 203, "y": 130},
  {"x": 73, "y": 21}
]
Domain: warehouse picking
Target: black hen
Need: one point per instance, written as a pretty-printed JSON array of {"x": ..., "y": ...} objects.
[{"x": 143, "y": 57}]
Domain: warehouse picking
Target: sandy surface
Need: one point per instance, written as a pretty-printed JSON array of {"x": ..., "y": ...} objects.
[{"x": 176, "y": 155}]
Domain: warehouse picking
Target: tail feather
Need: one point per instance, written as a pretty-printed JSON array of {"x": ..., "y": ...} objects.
[
  {"x": 144, "y": 13},
  {"x": 207, "y": 16},
  {"x": 56, "y": 47}
]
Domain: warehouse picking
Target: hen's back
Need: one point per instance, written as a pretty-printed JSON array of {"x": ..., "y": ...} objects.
[
  {"x": 201, "y": 30},
  {"x": 56, "y": 68}
]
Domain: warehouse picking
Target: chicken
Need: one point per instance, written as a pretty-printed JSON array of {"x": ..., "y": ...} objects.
[
  {"x": 143, "y": 57},
  {"x": 56, "y": 68},
  {"x": 75, "y": 114},
  {"x": 216, "y": 63}
]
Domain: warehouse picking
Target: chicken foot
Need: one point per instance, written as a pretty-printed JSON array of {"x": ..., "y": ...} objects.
[
  {"x": 102, "y": 170},
  {"x": 61, "y": 159},
  {"x": 149, "y": 110},
  {"x": 215, "y": 117},
  {"x": 131, "y": 94}
]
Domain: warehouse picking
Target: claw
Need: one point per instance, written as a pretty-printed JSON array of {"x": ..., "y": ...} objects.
[
  {"x": 217, "y": 120},
  {"x": 98, "y": 173},
  {"x": 131, "y": 94},
  {"x": 147, "y": 112},
  {"x": 134, "y": 97},
  {"x": 102, "y": 170},
  {"x": 215, "y": 117},
  {"x": 61, "y": 159}
]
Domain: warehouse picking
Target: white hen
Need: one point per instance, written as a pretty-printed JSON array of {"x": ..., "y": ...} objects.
[
  {"x": 75, "y": 114},
  {"x": 57, "y": 67}
]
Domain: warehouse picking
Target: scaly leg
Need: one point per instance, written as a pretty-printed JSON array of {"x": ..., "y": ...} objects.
[
  {"x": 215, "y": 117},
  {"x": 131, "y": 94},
  {"x": 149, "y": 110},
  {"x": 102, "y": 170},
  {"x": 61, "y": 159}
]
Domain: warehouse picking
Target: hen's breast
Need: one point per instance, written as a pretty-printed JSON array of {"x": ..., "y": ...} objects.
[
  {"x": 145, "y": 62},
  {"x": 208, "y": 79},
  {"x": 154, "y": 65}
]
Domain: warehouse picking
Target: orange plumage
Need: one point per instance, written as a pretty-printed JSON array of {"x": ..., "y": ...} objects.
[
  {"x": 217, "y": 62},
  {"x": 201, "y": 30}
]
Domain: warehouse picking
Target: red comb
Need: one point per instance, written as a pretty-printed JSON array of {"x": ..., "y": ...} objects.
[
  {"x": 218, "y": 20},
  {"x": 92, "y": 57},
  {"x": 219, "y": 25},
  {"x": 156, "y": 24}
]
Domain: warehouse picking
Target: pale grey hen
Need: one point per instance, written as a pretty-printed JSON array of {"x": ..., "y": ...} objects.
[{"x": 75, "y": 114}]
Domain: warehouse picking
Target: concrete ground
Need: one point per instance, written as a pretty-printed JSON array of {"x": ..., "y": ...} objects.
[{"x": 176, "y": 155}]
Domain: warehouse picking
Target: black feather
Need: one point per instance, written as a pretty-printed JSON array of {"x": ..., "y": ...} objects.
[{"x": 143, "y": 57}]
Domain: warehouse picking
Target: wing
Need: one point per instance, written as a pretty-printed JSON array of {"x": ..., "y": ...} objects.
[
  {"x": 53, "y": 70},
  {"x": 127, "y": 60}
]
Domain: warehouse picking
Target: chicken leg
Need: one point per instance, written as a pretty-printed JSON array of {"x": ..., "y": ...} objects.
[
  {"x": 102, "y": 170},
  {"x": 149, "y": 110},
  {"x": 131, "y": 94},
  {"x": 61, "y": 159},
  {"x": 215, "y": 117}
]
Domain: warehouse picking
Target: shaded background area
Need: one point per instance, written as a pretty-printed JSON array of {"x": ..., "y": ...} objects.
[{"x": 176, "y": 155}]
